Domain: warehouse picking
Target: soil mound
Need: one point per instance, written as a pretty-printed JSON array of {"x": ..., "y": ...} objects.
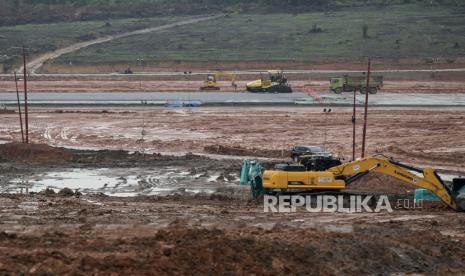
[
  {"x": 378, "y": 183},
  {"x": 33, "y": 153},
  {"x": 236, "y": 150}
]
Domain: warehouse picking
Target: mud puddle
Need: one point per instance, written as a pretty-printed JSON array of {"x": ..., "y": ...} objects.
[{"x": 125, "y": 182}]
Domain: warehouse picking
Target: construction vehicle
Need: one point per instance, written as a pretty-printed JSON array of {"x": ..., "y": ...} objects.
[
  {"x": 348, "y": 83},
  {"x": 211, "y": 83},
  {"x": 330, "y": 176},
  {"x": 127, "y": 71},
  {"x": 275, "y": 82},
  {"x": 299, "y": 150}
]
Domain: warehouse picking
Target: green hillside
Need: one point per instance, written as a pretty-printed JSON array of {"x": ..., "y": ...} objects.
[
  {"x": 41, "y": 11},
  {"x": 41, "y": 38},
  {"x": 407, "y": 31},
  {"x": 273, "y": 31}
]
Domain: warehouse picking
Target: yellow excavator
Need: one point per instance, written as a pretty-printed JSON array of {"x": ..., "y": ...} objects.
[
  {"x": 210, "y": 84},
  {"x": 310, "y": 175},
  {"x": 275, "y": 82}
]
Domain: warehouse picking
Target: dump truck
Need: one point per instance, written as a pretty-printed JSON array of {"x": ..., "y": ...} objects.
[
  {"x": 317, "y": 174},
  {"x": 274, "y": 82},
  {"x": 348, "y": 83}
]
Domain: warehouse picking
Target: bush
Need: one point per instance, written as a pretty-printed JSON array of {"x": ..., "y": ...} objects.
[{"x": 315, "y": 29}]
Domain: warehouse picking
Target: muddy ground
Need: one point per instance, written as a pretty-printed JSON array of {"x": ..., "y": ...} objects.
[
  {"x": 208, "y": 233},
  {"x": 418, "y": 136},
  {"x": 219, "y": 229},
  {"x": 222, "y": 232},
  {"x": 85, "y": 235}
]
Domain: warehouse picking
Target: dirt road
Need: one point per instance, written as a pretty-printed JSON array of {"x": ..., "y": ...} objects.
[
  {"x": 133, "y": 84},
  {"x": 36, "y": 63}
]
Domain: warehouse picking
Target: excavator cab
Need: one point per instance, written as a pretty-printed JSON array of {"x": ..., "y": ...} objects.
[
  {"x": 277, "y": 76},
  {"x": 211, "y": 82},
  {"x": 211, "y": 78},
  {"x": 318, "y": 162}
]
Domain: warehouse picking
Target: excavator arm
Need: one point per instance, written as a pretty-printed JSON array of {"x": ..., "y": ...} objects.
[
  {"x": 230, "y": 75},
  {"x": 426, "y": 178},
  {"x": 297, "y": 177},
  {"x": 211, "y": 82}
]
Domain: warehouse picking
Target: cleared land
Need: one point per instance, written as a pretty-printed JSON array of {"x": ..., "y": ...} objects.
[
  {"x": 48, "y": 233},
  {"x": 438, "y": 133},
  {"x": 314, "y": 87},
  {"x": 181, "y": 209},
  {"x": 59, "y": 235},
  {"x": 217, "y": 230}
]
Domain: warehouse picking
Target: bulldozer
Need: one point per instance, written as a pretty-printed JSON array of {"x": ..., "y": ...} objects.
[
  {"x": 315, "y": 174},
  {"x": 275, "y": 82},
  {"x": 210, "y": 84}
]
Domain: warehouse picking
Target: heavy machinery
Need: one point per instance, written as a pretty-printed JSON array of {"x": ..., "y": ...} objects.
[
  {"x": 211, "y": 83},
  {"x": 348, "y": 83},
  {"x": 331, "y": 176},
  {"x": 275, "y": 82}
]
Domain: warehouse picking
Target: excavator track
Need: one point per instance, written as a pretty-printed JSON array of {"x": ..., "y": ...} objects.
[{"x": 271, "y": 89}]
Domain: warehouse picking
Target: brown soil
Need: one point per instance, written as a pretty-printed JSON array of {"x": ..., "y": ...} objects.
[
  {"x": 240, "y": 151},
  {"x": 165, "y": 236},
  {"x": 382, "y": 184},
  {"x": 7, "y": 111},
  {"x": 43, "y": 157},
  {"x": 34, "y": 153},
  {"x": 220, "y": 233},
  {"x": 300, "y": 83},
  {"x": 438, "y": 133}
]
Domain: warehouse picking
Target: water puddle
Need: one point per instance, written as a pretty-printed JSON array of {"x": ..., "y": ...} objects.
[{"x": 124, "y": 182}]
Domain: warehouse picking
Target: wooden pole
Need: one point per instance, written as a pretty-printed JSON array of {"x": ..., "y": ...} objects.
[
  {"x": 353, "y": 127},
  {"x": 26, "y": 115},
  {"x": 19, "y": 109},
  {"x": 367, "y": 89}
]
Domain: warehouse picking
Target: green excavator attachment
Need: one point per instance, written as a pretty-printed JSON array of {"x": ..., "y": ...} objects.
[
  {"x": 251, "y": 174},
  {"x": 457, "y": 190}
]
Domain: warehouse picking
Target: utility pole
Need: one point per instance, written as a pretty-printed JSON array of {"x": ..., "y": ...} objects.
[
  {"x": 353, "y": 126},
  {"x": 140, "y": 62},
  {"x": 26, "y": 115},
  {"x": 367, "y": 89},
  {"x": 19, "y": 109},
  {"x": 326, "y": 112}
]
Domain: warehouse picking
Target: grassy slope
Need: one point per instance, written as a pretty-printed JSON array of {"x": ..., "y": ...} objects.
[
  {"x": 45, "y": 37},
  {"x": 422, "y": 32},
  {"x": 45, "y": 11}
]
